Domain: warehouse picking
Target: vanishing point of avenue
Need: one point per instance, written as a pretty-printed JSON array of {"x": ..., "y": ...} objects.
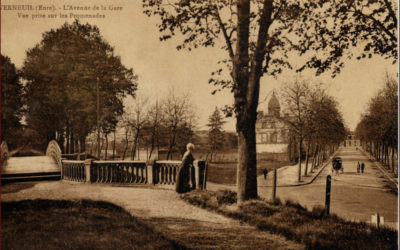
[{"x": 175, "y": 124}]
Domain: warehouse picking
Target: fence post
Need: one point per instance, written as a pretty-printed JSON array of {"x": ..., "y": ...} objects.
[
  {"x": 88, "y": 165},
  {"x": 274, "y": 186},
  {"x": 150, "y": 171},
  {"x": 328, "y": 195},
  {"x": 205, "y": 176}
]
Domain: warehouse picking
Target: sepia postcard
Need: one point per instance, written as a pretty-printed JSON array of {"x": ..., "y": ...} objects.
[{"x": 199, "y": 124}]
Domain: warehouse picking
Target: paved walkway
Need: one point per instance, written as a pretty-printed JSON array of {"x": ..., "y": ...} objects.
[{"x": 166, "y": 212}]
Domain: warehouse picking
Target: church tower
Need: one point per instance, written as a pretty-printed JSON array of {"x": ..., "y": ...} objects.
[{"x": 274, "y": 108}]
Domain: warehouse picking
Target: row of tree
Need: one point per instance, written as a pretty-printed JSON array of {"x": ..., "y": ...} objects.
[
  {"x": 162, "y": 128},
  {"x": 314, "y": 122},
  {"x": 164, "y": 125},
  {"x": 377, "y": 129}
]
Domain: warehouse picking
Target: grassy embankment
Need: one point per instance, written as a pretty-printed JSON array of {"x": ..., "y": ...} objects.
[
  {"x": 55, "y": 224},
  {"x": 225, "y": 173},
  {"x": 312, "y": 228}
]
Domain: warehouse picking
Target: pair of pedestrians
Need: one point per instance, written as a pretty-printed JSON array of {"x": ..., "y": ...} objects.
[{"x": 360, "y": 167}]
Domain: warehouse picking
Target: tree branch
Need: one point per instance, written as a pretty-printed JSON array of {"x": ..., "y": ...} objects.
[
  {"x": 391, "y": 12},
  {"x": 226, "y": 36},
  {"x": 259, "y": 54},
  {"x": 379, "y": 24}
]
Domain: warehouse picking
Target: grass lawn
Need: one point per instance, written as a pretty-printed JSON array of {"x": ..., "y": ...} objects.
[
  {"x": 60, "y": 224},
  {"x": 311, "y": 228},
  {"x": 225, "y": 173}
]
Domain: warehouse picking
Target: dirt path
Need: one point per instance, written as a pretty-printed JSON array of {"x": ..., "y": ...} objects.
[{"x": 165, "y": 211}]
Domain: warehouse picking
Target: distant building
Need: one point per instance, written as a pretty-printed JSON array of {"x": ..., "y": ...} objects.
[
  {"x": 272, "y": 134},
  {"x": 351, "y": 141}
]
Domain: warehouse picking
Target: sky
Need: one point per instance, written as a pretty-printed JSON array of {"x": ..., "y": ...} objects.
[{"x": 160, "y": 66}]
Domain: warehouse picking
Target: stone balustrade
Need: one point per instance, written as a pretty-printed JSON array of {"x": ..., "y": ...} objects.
[
  {"x": 165, "y": 172},
  {"x": 118, "y": 171},
  {"x": 135, "y": 172},
  {"x": 74, "y": 170}
]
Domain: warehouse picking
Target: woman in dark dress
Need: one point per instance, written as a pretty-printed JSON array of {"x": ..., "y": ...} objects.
[{"x": 183, "y": 176}]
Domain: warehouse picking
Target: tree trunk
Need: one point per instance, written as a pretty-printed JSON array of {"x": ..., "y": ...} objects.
[
  {"x": 307, "y": 156},
  {"x": 314, "y": 160},
  {"x": 60, "y": 141},
  {"x": 113, "y": 155},
  {"x": 82, "y": 142},
  {"x": 126, "y": 144},
  {"x": 67, "y": 135},
  {"x": 72, "y": 142},
  {"x": 134, "y": 148},
  {"x": 153, "y": 135},
  {"x": 393, "y": 159},
  {"x": 247, "y": 163},
  {"x": 300, "y": 149},
  {"x": 105, "y": 154},
  {"x": 171, "y": 144}
]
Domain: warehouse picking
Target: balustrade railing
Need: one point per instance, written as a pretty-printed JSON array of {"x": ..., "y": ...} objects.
[
  {"x": 135, "y": 172},
  {"x": 74, "y": 170},
  {"x": 165, "y": 172},
  {"x": 118, "y": 171}
]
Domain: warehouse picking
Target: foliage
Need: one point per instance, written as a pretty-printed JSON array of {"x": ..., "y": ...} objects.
[
  {"x": 372, "y": 25},
  {"x": 258, "y": 37},
  {"x": 63, "y": 72},
  {"x": 312, "y": 228},
  {"x": 11, "y": 102},
  {"x": 379, "y": 124}
]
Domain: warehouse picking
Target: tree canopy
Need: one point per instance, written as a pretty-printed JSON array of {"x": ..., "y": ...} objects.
[
  {"x": 259, "y": 36},
  {"x": 62, "y": 74},
  {"x": 11, "y": 101},
  {"x": 379, "y": 124}
]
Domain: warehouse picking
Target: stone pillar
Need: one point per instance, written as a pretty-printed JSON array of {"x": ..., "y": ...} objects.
[
  {"x": 88, "y": 164},
  {"x": 150, "y": 171},
  {"x": 200, "y": 180}
]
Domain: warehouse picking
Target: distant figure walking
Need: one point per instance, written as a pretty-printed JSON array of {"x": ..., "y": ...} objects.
[
  {"x": 265, "y": 173},
  {"x": 358, "y": 167},
  {"x": 184, "y": 171},
  {"x": 362, "y": 167}
]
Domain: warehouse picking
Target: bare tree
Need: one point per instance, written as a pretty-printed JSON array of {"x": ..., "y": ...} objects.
[
  {"x": 154, "y": 125},
  {"x": 137, "y": 120},
  {"x": 179, "y": 120},
  {"x": 295, "y": 98}
]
